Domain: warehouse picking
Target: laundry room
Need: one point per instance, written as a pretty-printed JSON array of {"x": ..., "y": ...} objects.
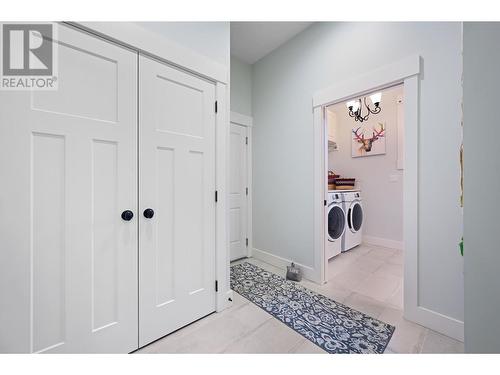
[{"x": 365, "y": 193}]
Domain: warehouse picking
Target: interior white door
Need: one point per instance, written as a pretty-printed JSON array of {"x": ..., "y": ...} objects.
[
  {"x": 238, "y": 191},
  {"x": 68, "y": 167},
  {"x": 177, "y": 182}
]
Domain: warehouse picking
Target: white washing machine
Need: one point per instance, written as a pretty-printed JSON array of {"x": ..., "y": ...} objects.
[
  {"x": 335, "y": 224},
  {"x": 354, "y": 219}
]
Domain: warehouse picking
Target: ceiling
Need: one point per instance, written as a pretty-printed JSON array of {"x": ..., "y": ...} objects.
[{"x": 251, "y": 41}]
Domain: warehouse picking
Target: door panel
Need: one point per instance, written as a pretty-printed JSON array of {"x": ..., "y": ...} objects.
[
  {"x": 237, "y": 191},
  {"x": 68, "y": 161},
  {"x": 182, "y": 103},
  {"x": 176, "y": 180},
  {"x": 48, "y": 255},
  {"x": 83, "y": 71},
  {"x": 165, "y": 237},
  {"x": 104, "y": 247}
]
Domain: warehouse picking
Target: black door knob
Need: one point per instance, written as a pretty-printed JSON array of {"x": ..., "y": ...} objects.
[
  {"x": 127, "y": 215},
  {"x": 148, "y": 213}
]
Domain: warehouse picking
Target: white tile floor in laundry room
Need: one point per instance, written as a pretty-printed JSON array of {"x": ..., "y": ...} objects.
[{"x": 367, "y": 278}]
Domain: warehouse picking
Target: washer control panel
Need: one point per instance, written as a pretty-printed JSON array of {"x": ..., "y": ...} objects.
[{"x": 334, "y": 197}]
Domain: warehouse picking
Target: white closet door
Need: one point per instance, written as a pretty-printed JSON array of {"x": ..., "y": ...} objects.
[
  {"x": 177, "y": 181},
  {"x": 68, "y": 167},
  {"x": 238, "y": 191}
]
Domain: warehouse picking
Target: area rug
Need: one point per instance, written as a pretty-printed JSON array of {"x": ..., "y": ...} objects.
[{"x": 334, "y": 327}]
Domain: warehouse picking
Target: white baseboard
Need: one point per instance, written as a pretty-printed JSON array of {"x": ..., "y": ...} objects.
[
  {"x": 438, "y": 322},
  {"x": 307, "y": 271},
  {"x": 384, "y": 242}
]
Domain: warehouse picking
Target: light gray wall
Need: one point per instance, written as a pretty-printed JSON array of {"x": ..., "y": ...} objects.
[
  {"x": 283, "y": 85},
  {"x": 210, "y": 39},
  {"x": 382, "y": 198},
  {"x": 482, "y": 185},
  {"x": 241, "y": 87}
]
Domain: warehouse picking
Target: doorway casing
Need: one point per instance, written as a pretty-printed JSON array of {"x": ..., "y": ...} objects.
[{"x": 407, "y": 72}]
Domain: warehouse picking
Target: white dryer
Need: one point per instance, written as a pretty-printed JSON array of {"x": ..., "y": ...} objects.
[
  {"x": 354, "y": 219},
  {"x": 335, "y": 224}
]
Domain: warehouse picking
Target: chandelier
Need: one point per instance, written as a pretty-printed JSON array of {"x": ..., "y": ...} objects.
[{"x": 356, "y": 108}]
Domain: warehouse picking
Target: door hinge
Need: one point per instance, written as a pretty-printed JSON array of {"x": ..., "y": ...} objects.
[
  {"x": 324, "y": 202},
  {"x": 246, "y": 191},
  {"x": 246, "y": 140},
  {"x": 216, "y": 286},
  {"x": 247, "y": 242},
  {"x": 216, "y": 196},
  {"x": 216, "y": 106}
]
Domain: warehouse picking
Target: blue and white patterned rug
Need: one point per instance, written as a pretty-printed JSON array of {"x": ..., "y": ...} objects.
[{"x": 334, "y": 327}]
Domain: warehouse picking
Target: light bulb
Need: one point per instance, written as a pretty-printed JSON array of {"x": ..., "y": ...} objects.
[
  {"x": 376, "y": 98},
  {"x": 355, "y": 105},
  {"x": 350, "y": 104}
]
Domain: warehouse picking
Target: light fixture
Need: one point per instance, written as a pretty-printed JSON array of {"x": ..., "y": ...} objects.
[{"x": 356, "y": 108}]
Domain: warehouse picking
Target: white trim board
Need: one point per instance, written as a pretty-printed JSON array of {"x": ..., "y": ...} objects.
[
  {"x": 250, "y": 192},
  {"x": 222, "y": 270},
  {"x": 282, "y": 263},
  {"x": 383, "y": 77},
  {"x": 149, "y": 43},
  {"x": 383, "y": 242},
  {"x": 241, "y": 119},
  {"x": 436, "y": 321},
  {"x": 407, "y": 72}
]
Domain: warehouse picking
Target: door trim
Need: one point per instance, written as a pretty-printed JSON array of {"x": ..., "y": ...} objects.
[
  {"x": 134, "y": 37},
  {"x": 241, "y": 119},
  {"x": 224, "y": 294},
  {"x": 407, "y": 72},
  {"x": 247, "y": 121}
]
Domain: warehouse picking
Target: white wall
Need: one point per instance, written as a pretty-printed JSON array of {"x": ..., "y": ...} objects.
[
  {"x": 382, "y": 198},
  {"x": 210, "y": 39},
  {"x": 482, "y": 184},
  {"x": 241, "y": 87},
  {"x": 283, "y": 85}
]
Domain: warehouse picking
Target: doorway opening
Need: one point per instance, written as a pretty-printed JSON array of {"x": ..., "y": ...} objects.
[
  {"x": 364, "y": 151},
  {"x": 405, "y": 72}
]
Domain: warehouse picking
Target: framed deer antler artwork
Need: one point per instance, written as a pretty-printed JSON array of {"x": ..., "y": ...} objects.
[{"x": 368, "y": 140}]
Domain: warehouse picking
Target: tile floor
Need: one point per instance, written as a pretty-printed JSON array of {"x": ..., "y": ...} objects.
[{"x": 367, "y": 278}]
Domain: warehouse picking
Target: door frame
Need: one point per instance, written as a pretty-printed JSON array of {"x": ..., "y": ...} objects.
[
  {"x": 136, "y": 38},
  {"x": 224, "y": 294},
  {"x": 404, "y": 72},
  {"x": 408, "y": 73},
  {"x": 247, "y": 121}
]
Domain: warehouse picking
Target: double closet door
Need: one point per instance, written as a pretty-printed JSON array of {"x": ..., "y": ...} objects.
[{"x": 106, "y": 203}]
